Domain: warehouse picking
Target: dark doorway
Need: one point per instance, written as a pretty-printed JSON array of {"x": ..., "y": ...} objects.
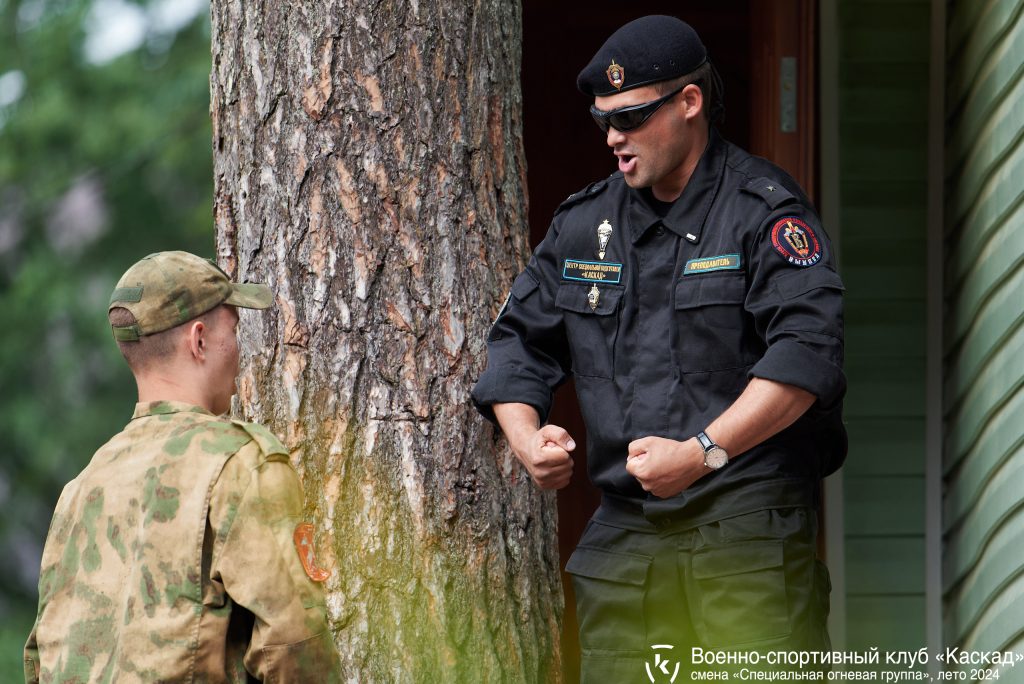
[{"x": 565, "y": 151}]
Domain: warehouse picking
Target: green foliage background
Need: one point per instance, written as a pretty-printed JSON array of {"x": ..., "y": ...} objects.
[{"x": 132, "y": 136}]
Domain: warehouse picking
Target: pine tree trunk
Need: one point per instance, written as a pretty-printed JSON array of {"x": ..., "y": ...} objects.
[{"x": 369, "y": 168}]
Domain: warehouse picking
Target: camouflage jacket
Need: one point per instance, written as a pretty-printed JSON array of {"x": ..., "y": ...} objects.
[{"x": 173, "y": 557}]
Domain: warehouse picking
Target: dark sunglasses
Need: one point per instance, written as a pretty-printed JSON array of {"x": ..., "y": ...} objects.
[{"x": 632, "y": 117}]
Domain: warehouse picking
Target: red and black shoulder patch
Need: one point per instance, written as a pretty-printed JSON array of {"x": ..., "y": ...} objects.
[{"x": 796, "y": 242}]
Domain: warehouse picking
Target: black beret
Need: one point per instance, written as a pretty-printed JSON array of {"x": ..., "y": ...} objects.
[{"x": 644, "y": 51}]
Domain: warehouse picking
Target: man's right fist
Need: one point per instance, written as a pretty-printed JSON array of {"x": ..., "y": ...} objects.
[{"x": 546, "y": 456}]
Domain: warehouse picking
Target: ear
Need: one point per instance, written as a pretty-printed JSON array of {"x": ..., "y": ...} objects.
[
  {"x": 195, "y": 339},
  {"x": 692, "y": 98}
]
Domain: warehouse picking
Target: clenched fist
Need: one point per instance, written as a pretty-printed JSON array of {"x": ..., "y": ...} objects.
[
  {"x": 665, "y": 467},
  {"x": 545, "y": 454}
]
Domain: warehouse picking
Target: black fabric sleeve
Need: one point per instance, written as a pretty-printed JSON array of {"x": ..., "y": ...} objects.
[
  {"x": 527, "y": 352},
  {"x": 797, "y": 307}
]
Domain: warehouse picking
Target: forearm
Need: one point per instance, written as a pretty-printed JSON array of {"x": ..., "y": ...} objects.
[
  {"x": 764, "y": 409},
  {"x": 518, "y": 421},
  {"x": 543, "y": 451}
]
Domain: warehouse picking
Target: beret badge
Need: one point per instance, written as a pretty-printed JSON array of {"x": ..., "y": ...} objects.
[{"x": 616, "y": 75}]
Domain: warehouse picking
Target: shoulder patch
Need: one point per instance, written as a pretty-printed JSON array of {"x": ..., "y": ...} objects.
[
  {"x": 772, "y": 192},
  {"x": 796, "y": 241},
  {"x": 303, "y": 537},
  {"x": 263, "y": 437},
  {"x": 591, "y": 190}
]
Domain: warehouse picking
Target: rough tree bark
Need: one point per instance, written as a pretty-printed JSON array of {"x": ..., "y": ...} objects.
[{"x": 369, "y": 168}]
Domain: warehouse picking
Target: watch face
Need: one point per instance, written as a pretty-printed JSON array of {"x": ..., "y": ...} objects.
[{"x": 715, "y": 457}]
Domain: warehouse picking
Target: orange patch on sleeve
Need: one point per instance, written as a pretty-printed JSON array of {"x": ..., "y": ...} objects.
[{"x": 304, "y": 545}]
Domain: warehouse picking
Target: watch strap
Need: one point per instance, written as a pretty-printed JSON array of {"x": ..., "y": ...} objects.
[{"x": 705, "y": 441}]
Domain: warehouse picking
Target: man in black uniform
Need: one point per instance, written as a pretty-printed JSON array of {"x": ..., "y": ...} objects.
[{"x": 694, "y": 299}]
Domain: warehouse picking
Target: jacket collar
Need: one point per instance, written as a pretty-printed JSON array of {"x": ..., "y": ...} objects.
[
  {"x": 162, "y": 408},
  {"x": 690, "y": 211}
]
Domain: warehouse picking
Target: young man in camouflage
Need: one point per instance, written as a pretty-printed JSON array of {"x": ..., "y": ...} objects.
[{"x": 179, "y": 553}]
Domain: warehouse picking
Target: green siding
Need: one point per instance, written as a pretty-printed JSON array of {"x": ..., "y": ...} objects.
[
  {"x": 883, "y": 563},
  {"x": 983, "y": 401},
  {"x": 883, "y": 95},
  {"x": 881, "y": 621}
]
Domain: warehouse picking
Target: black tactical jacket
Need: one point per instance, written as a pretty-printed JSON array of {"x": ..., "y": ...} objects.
[{"x": 662, "y": 332}]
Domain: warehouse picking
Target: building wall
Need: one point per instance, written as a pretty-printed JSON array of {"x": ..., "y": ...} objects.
[
  {"x": 883, "y": 122},
  {"x": 983, "y": 462}
]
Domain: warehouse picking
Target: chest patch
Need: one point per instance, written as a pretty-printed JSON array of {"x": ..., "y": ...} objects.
[
  {"x": 592, "y": 271},
  {"x": 796, "y": 242},
  {"x": 725, "y": 262}
]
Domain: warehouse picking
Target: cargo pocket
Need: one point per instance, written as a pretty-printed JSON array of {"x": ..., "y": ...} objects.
[
  {"x": 591, "y": 330},
  {"x": 710, "y": 322},
  {"x": 610, "y": 589},
  {"x": 740, "y": 592}
]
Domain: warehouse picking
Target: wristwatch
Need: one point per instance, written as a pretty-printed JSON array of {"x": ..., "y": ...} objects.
[{"x": 715, "y": 457}]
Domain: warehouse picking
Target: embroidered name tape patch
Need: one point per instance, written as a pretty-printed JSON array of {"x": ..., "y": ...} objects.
[
  {"x": 796, "y": 242},
  {"x": 725, "y": 262},
  {"x": 592, "y": 271}
]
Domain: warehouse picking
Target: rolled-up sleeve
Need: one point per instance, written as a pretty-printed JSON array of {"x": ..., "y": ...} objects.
[
  {"x": 527, "y": 352},
  {"x": 798, "y": 311}
]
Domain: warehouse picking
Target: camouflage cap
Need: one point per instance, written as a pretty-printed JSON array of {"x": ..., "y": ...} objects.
[{"x": 166, "y": 289}]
